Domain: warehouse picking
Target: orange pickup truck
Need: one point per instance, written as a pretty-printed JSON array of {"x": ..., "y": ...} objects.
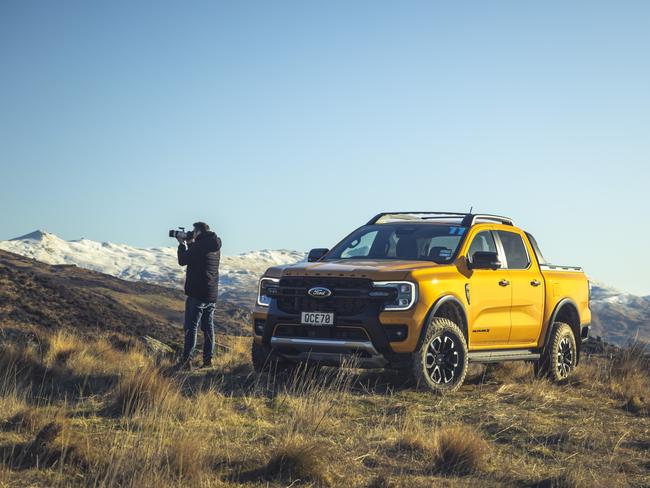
[{"x": 425, "y": 293}]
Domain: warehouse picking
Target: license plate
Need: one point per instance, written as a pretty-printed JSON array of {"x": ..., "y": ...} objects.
[{"x": 317, "y": 318}]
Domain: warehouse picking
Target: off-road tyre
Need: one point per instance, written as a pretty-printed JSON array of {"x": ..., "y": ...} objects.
[
  {"x": 560, "y": 356},
  {"x": 265, "y": 360},
  {"x": 440, "y": 363}
]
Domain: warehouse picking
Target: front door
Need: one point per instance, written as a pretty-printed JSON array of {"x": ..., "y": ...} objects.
[
  {"x": 489, "y": 298},
  {"x": 527, "y": 286}
]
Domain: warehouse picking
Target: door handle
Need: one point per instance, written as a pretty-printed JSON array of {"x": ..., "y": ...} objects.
[
  {"x": 535, "y": 283},
  {"x": 504, "y": 283}
]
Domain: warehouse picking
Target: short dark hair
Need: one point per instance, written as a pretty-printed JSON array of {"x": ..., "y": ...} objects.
[{"x": 202, "y": 226}]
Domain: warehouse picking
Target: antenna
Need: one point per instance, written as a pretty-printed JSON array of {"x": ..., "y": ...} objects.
[{"x": 471, "y": 207}]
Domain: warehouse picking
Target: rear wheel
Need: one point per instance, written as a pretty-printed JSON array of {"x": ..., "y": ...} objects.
[
  {"x": 441, "y": 362},
  {"x": 561, "y": 354}
]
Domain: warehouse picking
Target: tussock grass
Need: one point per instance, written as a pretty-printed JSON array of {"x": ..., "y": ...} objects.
[
  {"x": 20, "y": 367},
  {"x": 459, "y": 450},
  {"x": 298, "y": 459},
  {"x": 186, "y": 458},
  {"x": 145, "y": 391},
  {"x": 31, "y": 419},
  {"x": 629, "y": 378},
  {"x": 414, "y": 443}
]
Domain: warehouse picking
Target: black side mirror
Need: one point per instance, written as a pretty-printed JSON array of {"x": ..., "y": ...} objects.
[
  {"x": 484, "y": 260},
  {"x": 317, "y": 254}
]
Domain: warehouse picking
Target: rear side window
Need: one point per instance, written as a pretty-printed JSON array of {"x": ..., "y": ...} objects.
[
  {"x": 515, "y": 250},
  {"x": 538, "y": 252}
]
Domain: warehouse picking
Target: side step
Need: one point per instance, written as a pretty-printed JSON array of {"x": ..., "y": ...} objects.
[{"x": 503, "y": 355}]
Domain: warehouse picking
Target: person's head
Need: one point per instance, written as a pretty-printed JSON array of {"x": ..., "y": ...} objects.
[{"x": 200, "y": 228}]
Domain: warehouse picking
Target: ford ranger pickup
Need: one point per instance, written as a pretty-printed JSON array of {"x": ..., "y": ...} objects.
[{"x": 425, "y": 293}]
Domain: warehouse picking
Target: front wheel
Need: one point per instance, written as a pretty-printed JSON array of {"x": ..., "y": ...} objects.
[
  {"x": 561, "y": 354},
  {"x": 441, "y": 361}
]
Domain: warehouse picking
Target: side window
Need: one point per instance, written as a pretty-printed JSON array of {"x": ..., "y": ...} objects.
[
  {"x": 360, "y": 247},
  {"x": 483, "y": 241},
  {"x": 515, "y": 250},
  {"x": 538, "y": 252}
]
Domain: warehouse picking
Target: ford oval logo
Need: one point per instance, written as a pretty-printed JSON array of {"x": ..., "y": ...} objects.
[{"x": 319, "y": 292}]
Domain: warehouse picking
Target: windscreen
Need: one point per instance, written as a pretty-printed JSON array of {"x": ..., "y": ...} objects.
[{"x": 416, "y": 242}]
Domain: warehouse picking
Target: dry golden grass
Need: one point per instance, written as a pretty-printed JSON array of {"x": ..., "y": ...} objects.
[{"x": 228, "y": 427}]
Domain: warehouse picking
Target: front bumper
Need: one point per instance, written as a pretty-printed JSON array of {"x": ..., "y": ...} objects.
[
  {"x": 332, "y": 352},
  {"x": 360, "y": 340}
]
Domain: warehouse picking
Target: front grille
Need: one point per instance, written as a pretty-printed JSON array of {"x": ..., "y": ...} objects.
[
  {"x": 349, "y": 295},
  {"x": 302, "y": 331}
]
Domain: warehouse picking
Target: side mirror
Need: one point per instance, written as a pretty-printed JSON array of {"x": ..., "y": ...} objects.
[
  {"x": 484, "y": 260},
  {"x": 317, "y": 254}
]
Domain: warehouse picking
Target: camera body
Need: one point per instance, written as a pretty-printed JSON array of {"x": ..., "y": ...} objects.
[{"x": 182, "y": 234}]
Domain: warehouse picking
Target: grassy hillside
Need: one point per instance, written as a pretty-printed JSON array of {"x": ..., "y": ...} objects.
[
  {"x": 79, "y": 412},
  {"x": 84, "y": 403},
  {"x": 55, "y": 297}
]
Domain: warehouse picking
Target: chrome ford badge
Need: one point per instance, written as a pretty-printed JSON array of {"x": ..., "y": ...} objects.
[{"x": 319, "y": 292}]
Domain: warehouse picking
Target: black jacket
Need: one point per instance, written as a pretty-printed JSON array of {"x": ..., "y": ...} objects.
[{"x": 202, "y": 260}]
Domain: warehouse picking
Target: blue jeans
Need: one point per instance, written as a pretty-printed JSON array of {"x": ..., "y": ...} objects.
[{"x": 198, "y": 312}]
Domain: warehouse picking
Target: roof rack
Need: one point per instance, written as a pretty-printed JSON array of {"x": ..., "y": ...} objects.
[{"x": 465, "y": 219}]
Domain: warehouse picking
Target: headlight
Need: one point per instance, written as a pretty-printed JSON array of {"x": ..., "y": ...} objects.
[
  {"x": 266, "y": 290},
  {"x": 407, "y": 294}
]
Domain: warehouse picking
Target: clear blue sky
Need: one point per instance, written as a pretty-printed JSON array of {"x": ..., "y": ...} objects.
[{"x": 287, "y": 124}]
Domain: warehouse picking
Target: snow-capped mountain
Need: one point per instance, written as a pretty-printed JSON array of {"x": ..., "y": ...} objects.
[
  {"x": 618, "y": 317},
  {"x": 238, "y": 274}
]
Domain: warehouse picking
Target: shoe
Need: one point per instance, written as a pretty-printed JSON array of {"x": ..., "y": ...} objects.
[{"x": 207, "y": 364}]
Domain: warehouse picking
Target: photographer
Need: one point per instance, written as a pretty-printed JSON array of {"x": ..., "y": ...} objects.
[{"x": 200, "y": 252}]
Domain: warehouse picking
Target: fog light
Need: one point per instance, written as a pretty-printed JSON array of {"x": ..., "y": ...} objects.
[{"x": 396, "y": 333}]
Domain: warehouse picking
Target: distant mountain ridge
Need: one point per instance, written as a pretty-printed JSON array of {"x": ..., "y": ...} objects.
[
  {"x": 239, "y": 274},
  {"x": 618, "y": 317}
]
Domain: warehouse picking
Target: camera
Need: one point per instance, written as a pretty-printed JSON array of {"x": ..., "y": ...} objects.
[{"x": 186, "y": 236}]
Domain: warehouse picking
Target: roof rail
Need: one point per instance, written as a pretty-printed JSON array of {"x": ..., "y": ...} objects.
[
  {"x": 416, "y": 215},
  {"x": 465, "y": 219},
  {"x": 471, "y": 219}
]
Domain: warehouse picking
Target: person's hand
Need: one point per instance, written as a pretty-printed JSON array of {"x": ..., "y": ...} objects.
[{"x": 180, "y": 240}]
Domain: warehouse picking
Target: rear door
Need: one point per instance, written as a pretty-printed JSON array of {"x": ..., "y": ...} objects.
[
  {"x": 526, "y": 282},
  {"x": 489, "y": 297}
]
